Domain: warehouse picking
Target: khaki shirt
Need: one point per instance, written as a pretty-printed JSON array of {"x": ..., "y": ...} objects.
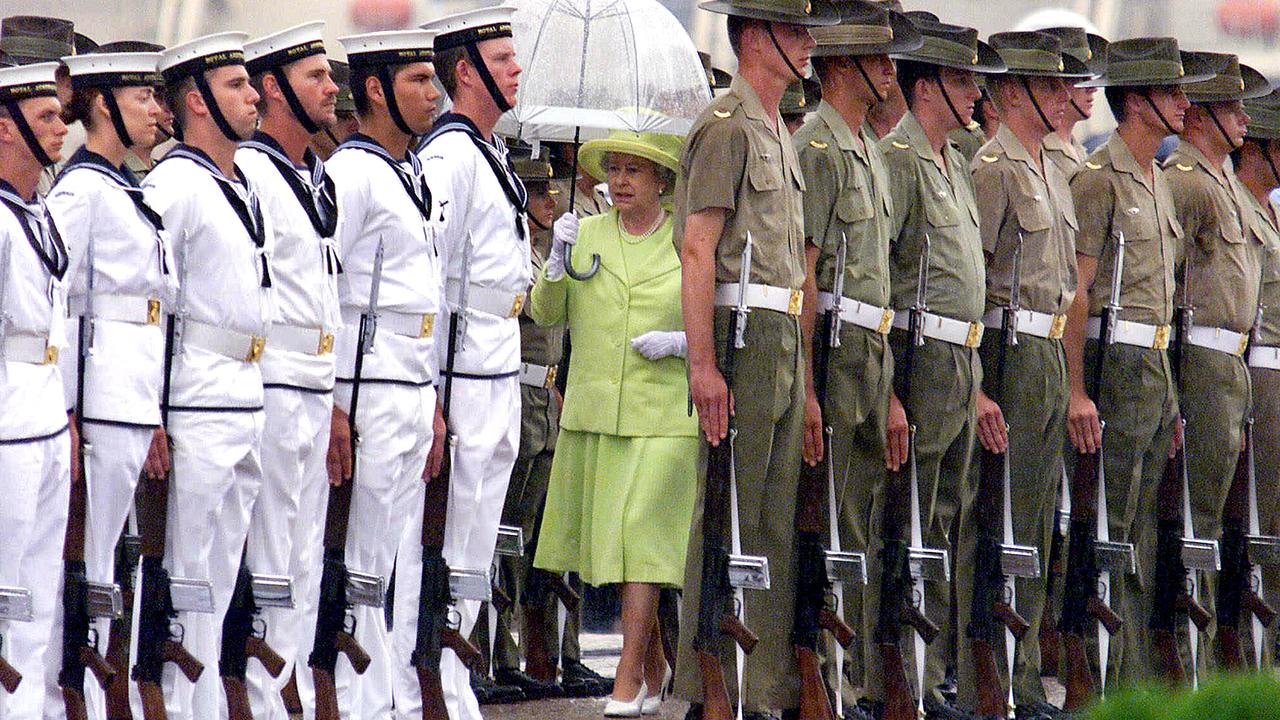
[
  {"x": 592, "y": 203},
  {"x": 1112, "y": 196},
  {"x": 968, "y": 140},
  {"x": 734, "y": 160},
  {"x": 927, "y": 202},
  {"x": 1225, "y": 262},
  {"x": 1068, "y": 156},
  {"x": 847, "y": 195},
  {"x": 1015, "y": 198},
  {"x": 1262, "y": 225}
]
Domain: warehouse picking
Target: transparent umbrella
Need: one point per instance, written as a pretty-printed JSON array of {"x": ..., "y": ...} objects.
[{"x": 591, "y": 66}]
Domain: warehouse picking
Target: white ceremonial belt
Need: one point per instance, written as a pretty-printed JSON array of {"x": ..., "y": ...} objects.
[
  {"x": 948, "y": 330},
  {"x": 1220, "y": 339},
  {"x": 30, "y": 349},
  {"x": 227, "y": 343},
  {"x": 1030, "y": 322},
  {"x": 410, "y": 325},
  {"x": 1265, "y": 357},
  {"x": 1153, "y": 337},
  {"x": 491, "y": 301},
  {"x": 765, "y": 297},
  {"x": 127, "y": 309},
  {"x": 856, "y": 312},
  {"x": 540, "y": 376},
  {"x": 305, "y": 340}
]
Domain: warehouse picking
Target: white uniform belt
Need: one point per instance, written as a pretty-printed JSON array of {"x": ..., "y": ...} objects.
[
  {"x": 542, "y": 376},
  {"x": 1262, "y": 356},
  {"x": 1155, "y": 337},
  {"x": 765, "y": 297},
  {"x": 227, "y": 343},
  {"x": 491, "y": 301},
  {"x": 30, "y": 349},
  {"x": 412, "y": 325},
  {"x": 127, "y": 309},
  {"x": 949, "y": 330},
  {"x": 1030, "y": 322},
  {"x": 1220, "y": 339},
  {"x": 856, "y": 312},
  {"x": 305, "y": 340}
]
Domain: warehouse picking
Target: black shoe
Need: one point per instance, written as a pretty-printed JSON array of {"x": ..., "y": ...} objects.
[
  {"x": 533, "y": 688},
  {"x": 948, "y": 687},
  {"x": 1040, "y": 710},
  {"x": 860, "y": 711},
  {"x": 594, "y": 684},
  {"x": 489, "y": 692},
  {"x": 935, "y": 709},
  {"x": 759, "y": 716},
  {"x": 694, "y": 712}
]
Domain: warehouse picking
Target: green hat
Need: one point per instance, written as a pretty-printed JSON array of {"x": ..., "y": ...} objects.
[
  {"x": 800, "y": 97},
  {"x": 660, "y": 148},
  {"x": 798, "y": 12},
  {"x": 717, "y": 79},
  {"x": 1232, "y": 82},
  {"x": 341, "y": 73},
  {"x": 32, "y": 38},
  {"x": 1084, "y": 46},
  {"x": 536, "y": 170},
  {"x": 1264, "y": 116},
  {"x": 1148, "y": 62},
  {"x": 1037, "y": 54},
  {"x": 84, "y": 44},
  {"x": 866, "y": 29},
  {"x": 952, "y": 46},
  {"x": 130, "y": 46}
]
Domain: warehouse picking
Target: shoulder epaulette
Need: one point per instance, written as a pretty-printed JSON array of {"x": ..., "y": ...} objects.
[
  {"x": 1092, "y": 165},
  {"x": 722, "y": 114},
  {"x": 1184, "y": 168},
  {"x": 973, "y": 125},
  {"x": 990, "y": 158},
  {"x": 900, "y": 145},
  {"x": 817, "y": 145}
]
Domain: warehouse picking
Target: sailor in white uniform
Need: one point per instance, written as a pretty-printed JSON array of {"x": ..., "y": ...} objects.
[
  {"x": 35, "y": 445},
  {"x": 222, "y": 243},
  {"x": 291, "y": 73},
  {"x": 111, "y": 233},
  {"x": 383, "y": 200},
  {"x": 483, "y": 204}
]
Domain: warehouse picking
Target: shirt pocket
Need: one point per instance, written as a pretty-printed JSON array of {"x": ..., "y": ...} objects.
[
  {"x": 764, "y": 171},
  {"x": 854, "y": 207},
  {"x": 1033, "y": 213},
  {"x": 940, "y": 208}
]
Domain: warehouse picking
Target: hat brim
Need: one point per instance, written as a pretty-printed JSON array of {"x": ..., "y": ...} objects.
[
  {"x": 1072, "y": 69},
  {"x": 1195, "y": 72},
  {"x": 1097, "y": 63},
  {"x": 1262, "y": 133},
  {"x": 720, "y": 79},
  {"x": 1255, "y": 86},
  {"x": 989, "y": 61},
  {"x": 822, "y": 14},
  {"x": 905, "y": 39},
  {"x": 593, "y": 152}
]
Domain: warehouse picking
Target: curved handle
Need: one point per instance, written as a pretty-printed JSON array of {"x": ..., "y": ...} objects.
[{"x": 568, "y": 265}]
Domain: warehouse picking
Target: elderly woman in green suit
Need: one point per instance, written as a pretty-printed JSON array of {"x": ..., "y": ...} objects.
[{"x": 625, "y": 471}]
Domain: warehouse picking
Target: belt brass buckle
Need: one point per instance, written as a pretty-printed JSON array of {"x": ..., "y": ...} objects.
[
  {"x": 551, "y": 377},
  {"x": 326, "y": 343},
  {"x": 428, "y": 324},
  {"x": 1161, "y": 341},
  {"x": 1244, "y": 344},
  {"x": 153, "y": 311},
  {"x": 1058, "y": 328},
  {"x": 795, "y": 302},
  {"x": 50, "y": 354},
  {"x": 974, "y": 338},
  {"x": 256, "y": 345},
  {"x": 517, "y": 305}
]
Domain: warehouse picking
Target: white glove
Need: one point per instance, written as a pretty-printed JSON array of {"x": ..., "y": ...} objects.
[
  {"x": 660, "y": 344},
  {"x": 563, "y": 234}
]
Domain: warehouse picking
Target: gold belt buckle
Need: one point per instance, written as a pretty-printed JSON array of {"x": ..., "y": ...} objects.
[
  {"x": 1162, "y": 338},
  {"x": 551, "y": 377},
  {"x": 256, "y": 345},
  {"x": 1058, "y": 328},
  {"x": 1244, "y": 344},
  {"x": 886, "y": 322},
  {"x": 517, "y": 305},
  {"x": 50, "y": 354},
  {"x": 428, "y": 324},
  {"x": 326, "y": 343},
  {"x": 795, "y": 302},
  {"x": 974, "y": 338},
  {"x": 153, "y": 311}
]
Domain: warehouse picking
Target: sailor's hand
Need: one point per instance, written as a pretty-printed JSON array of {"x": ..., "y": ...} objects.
[
  {"x": 338, "y": 462},
  {"x": 993, "y": 433},
  {"x": 813, "y": 435},
  {"x": 711, "y": 397},
  {"x": 439, "y": 445},
  {"x": 658, "y": 344},
  {"x": 563, "y": 234},
  {"x": 1083, "y": 426},
  {"x": 156, "y": 466},
  {"x": 897, "y": 443}
]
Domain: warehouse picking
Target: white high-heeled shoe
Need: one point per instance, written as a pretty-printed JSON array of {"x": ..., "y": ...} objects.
[
  {"x": 651, "y": 704},
  {"x": 627, "y": 709}
]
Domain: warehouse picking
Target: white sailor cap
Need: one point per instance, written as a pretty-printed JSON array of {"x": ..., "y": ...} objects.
[
  {"x": 393, "y": 47},
  {"x": 202, "y": 54},
  {"x": 124, "y": 69},
  {"x": 472, "y": 26},
  {"x": 28, "y": 81},
  {"x": 284, "y": 47}
]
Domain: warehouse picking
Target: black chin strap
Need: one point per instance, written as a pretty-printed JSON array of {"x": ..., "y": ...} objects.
[
  {"x": 1218, "y": 123},
  {"x": 202, "y": 84},
  {"x": 1146, "y": 96},
  {"x": 1079, "y": 110},
  {"x": 785, "y": 59},
  {"x": 482, "y": 69},
  {"x": 117, "y": 119},
  {"x": 295, "y": 104},
  {"x": 947, "y": 96},
  {"x": 1026, "y": 85},
  {"x": 389, "y": 92},
  {"x": 857, "y": 61},
  {"x": 29, "y": 135}
]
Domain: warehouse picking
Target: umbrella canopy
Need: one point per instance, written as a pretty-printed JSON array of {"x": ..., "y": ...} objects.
[{"x": 592, "y": 66}]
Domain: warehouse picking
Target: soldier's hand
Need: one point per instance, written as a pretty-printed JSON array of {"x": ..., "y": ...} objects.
[
  {"x": 813, "y": 440},
  {"x": 1083, "y": 426},
  {"x": 338, "y": 461},
  {"x": 156, "y": 466},
  {"x": 993, "y": 432},
  {"x": 711, "y": 397},
  {"x": 435, "y": 459},
  {"x": 897, "y": 442}
]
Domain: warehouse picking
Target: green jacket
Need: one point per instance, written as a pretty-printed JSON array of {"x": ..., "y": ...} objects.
[{"x": 612, "y": 389}]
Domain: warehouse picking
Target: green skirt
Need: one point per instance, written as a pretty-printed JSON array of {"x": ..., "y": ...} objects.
[{"x": 619, "y": 508}]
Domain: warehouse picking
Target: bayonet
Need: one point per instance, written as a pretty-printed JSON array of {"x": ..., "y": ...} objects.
[
  {"x": 370, "y": 329},
  {"x": 464, "y": 292},
  {"x": 922, "y": 295},
  {"x": 837, "y": 291},
  {"x": 1015, "y": 295},
  {"x": 742, "y": 310}
]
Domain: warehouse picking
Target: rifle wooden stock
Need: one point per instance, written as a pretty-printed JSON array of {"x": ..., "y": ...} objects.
[
  {"x": 1257, "y": 607},
  {"x": 9, "y": 677},
  {"x": 257, "y": 648},
  {"x": 1230, "y": 654},
  {"x": 326, "y": 695},
  {"x": 911, "y": 616},
  {"x": 356, "y": 655},
  {"x": 433, "y": 704},
  {"x": 152, "y": 700},
  {"x": 467, "y": 653},
  {"x": 839, "y": 629},
  {"x": 238, "y": 707},
  {"x": 117, "y": 692},
  {"x": 733, "y": 626},
  {"x": 535, "y": 637},
  {"x": 562, "y": 590},
  {"x": 1102, "y": 612},
  {"x": 73, "y": 701},
  {"x": 1049, "y": 637},
  {"x": 1009, "y": 617},
  {"x": 172, "y": 651},
  {"x": 990, "y": 701},
  {"x": 815, "y": 704},
  {"x": 1077, "y": 677},
  {"x": 898, "y": 703},
  {"x": 715, "y": 698},
  {"x": 1199, "y": 616},
  {"x": 1168, "y": 658}
]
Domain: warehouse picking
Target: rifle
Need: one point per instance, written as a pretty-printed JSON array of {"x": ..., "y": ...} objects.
[
  {"x": 117, "y": 692},
  {"x": 1050, "y": 639},
  {"x": 162, "y": 596},
  {"x": 725, "y": 572},
  {"x": 341, "y": 588},
  {"x": 243, "y": 636},
  {"x": 436, "y": 629},
  {"x": 15, "y": 602},
  {"x": 1091, "y": 556},
  {"x": 82, "y": 601},
  {"x": 539, "y": 586},
  {"x": 905, "y": 562},
  {"x": 813, "y": 612}
]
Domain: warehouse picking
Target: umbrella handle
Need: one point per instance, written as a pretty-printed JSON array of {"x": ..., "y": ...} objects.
[{"x": 568, "y": 265}]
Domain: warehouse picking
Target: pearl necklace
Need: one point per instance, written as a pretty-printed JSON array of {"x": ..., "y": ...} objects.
[{"x": 657, "y": 223}]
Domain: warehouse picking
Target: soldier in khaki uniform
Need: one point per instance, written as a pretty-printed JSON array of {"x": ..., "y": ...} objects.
[
  {"x": 1121, "y": 190},
  {"x": 739, "y": 174},
  {"x": 1219, "y": 275},
  {"x": 800, "y": 99},
  {"x": 1062, "y": 146},
  {"x": 1025, "y": 208},
  {"x": 1257, "y": 166},
  {"x": 933, "y": 197},
  {"x": 848, "y": 200}
]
